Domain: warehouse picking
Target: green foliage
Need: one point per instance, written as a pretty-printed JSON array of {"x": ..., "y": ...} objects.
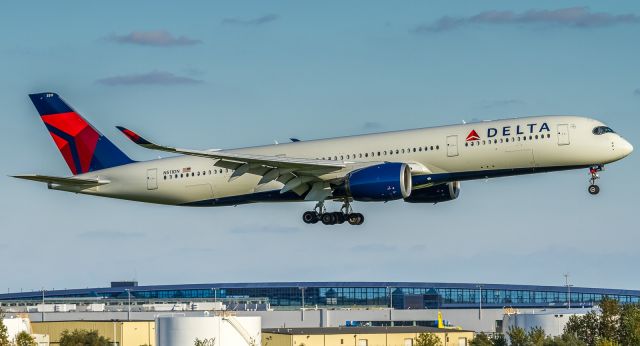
[
  {"x": 518, "y": 336},
  {"x": 24, "y": 339},
  {"x": 83, "y": 338},
  {"x": 616, "y": 324},
  {"x": 428, "y": 339},
  {"x": 499, "y": 340},
  {"x": 608, "y": 319},
  {"x": 606, "y": 342},
  {"x": 481, "y": 340},
  {"x": 4, "y": 333},
  {"x": 537, "y": 336},
  {"x": 629, "y": 325},
  {"x": 585, "y": 328},
  {"x": 565, "y": 340},
  {"x": 206, "y": 342}
]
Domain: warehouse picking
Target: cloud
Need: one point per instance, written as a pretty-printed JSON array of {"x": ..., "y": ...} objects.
[
  {"x": 150, "y": 78},
  {"x": 264, "y": 229},
  {"x": 637, "y": 92},
  {"x": 371, "y": 125},
  {"x": 373, "y": 248},
  {"x": 502, "y": 103},
  {"x": 573, "y": 17},
  {"x": 158, "y": 38},
  {"x": 110, "y": 235},
  {"x": 251, "y": 21}
]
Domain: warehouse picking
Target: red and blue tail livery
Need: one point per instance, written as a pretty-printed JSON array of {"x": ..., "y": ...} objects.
[{"x": 82, "y": 146}]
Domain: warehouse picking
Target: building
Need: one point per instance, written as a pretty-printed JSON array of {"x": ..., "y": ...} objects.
[
  {"x": 122, "y": 333},
  {"x": 361, "y": 336},
  {"x": 351, "y": 294},
  {"x": 313, "y": 304}
]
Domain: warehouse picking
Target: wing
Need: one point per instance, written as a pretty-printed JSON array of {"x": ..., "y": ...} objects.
[
  {"x": 68, "y": 182},
  {"x": 297, "y": 174}
]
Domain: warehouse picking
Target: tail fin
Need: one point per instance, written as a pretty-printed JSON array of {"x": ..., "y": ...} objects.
[{"x": 82, "y": 147}]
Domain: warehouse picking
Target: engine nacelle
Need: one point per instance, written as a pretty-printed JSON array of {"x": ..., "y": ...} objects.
[
  {"x": 435, "y": 194},
  {"x": 383, "y": 182}
]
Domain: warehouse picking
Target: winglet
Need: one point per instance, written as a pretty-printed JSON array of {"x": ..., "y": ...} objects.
[{"x": 134, "y": 137}]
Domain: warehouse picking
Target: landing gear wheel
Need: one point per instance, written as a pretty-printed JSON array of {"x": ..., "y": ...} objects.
[
  {"x": 355, "y": 219},
  {"x": 329, "y": 219},
  {"x": 340, "y": 217},
  {"x": 310, "y": 217},
  {"x": 593, "y": 172}
]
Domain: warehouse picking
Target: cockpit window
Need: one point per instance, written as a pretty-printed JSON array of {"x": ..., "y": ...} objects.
[{"x": 600, "y": 130}]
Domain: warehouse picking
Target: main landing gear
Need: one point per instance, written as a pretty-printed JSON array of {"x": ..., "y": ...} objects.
[
  {"x": 593, "y": 171},
  {"x": 319, "y": 213}
]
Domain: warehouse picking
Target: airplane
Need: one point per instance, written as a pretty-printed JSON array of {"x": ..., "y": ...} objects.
[{"x": 423, "y": 165}]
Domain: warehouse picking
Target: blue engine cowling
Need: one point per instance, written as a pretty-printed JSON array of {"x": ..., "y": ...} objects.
[
  {"x": 435, "y": 194},
  {"x": 383, "y": 182}
]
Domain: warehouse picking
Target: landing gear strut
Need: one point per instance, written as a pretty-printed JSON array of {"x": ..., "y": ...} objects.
[
  {"x": 319, "y": 213},
  {"x": 593, "y": 172}
]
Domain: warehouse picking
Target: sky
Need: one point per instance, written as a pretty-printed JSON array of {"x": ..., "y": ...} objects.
[{"x": 201, "y": 74}]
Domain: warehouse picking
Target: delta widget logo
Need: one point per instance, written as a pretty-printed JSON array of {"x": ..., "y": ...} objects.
[{"x": 473, "y": 136}]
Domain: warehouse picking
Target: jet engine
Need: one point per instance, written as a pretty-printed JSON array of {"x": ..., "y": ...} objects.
[
  {"x": 383, "y": 182},
  {"x": 435, "y": 194}
]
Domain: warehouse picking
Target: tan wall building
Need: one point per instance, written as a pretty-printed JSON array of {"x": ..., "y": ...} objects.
[
  {"x": 361, "y": 336},
  {"x": 124, "y": 333}
]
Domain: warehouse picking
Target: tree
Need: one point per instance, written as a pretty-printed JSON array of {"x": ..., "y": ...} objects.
[
  {"x": 428, "y": 339},
  {"x": 481, "y": 340},
  {"x": 584, "y": 328},
  {"x": 629, "y": 325},
  {"x": 205, "y": 342},
  {"x": 608, "y": 319},
  {"x": 24, "y": 339},
  {"x": 564, "y": 340},
  {"x": 537, "y": 336},
  {"x": 4, "y": 333},
  {"x": 83, "y": 338},
  {"x": 499, "y": 340},
  {"x": 518, "y": 336}
]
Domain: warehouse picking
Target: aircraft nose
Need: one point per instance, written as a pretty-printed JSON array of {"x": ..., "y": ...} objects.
[{"x": 625, "y": 147}]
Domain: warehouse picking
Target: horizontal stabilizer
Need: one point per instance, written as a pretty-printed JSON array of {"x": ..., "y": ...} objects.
[{"x": 70, "y": 182}]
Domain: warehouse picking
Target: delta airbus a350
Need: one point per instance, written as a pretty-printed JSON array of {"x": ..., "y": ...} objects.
[{"x": 417, "y": 166}]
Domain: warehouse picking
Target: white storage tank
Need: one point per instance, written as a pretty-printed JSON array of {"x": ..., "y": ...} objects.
[
  {"x": 552, "y": 322},
  {"x": 172, "y": 330}
]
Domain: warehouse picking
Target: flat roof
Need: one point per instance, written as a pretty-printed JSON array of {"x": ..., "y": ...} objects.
[{"x": 360, "y": 330}]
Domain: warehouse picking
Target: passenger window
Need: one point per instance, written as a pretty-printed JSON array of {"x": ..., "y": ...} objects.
[
  {"x": 366, "y": 154},
  {"x": 420, "y": 149},
  {"x": 360, "y": 155},
  {"x": 548, "y": 135},
  {"x": 507, "y": 140},
  {"x": 397, "y": 151},
  {"x": 341, "y": 157},
  {"x": 536, "y": 136},
  {"x": 165, "y": 177},
  {"x": 378, "y": 153},
  {"x": 403, "y": 151},
  {"x": 385, "y": 152},
  {"x": 198, "y": 173}
]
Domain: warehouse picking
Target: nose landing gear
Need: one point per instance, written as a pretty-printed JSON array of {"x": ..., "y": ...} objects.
[
  {"x": 319, "y": 213},
  {"x": 593, "y": 171}
]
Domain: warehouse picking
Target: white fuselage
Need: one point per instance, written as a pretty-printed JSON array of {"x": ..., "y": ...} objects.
[{"x": 502, "y": 147}]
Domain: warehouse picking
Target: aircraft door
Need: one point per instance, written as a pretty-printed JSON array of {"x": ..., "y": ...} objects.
[
  {"x": 452, "y": 146},
  {"x": 152, "y": 179},
  {"x": 563, "y": 134}
]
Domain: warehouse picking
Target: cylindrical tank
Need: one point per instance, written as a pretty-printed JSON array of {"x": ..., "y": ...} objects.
[
  {"x": 172, "y": 330},
  {"x": 552, "y": 322}
]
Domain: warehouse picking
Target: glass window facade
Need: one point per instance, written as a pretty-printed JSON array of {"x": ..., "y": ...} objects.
[{"x": 343, "y": 294}]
